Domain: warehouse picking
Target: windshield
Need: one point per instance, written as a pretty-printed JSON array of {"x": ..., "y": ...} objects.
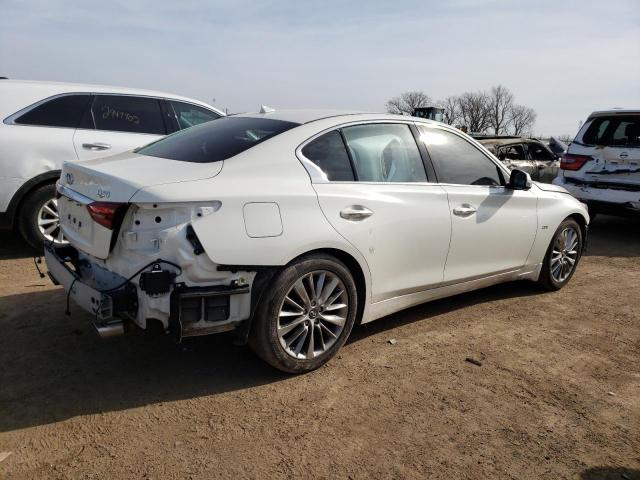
[{"x": 217, "y": 140}]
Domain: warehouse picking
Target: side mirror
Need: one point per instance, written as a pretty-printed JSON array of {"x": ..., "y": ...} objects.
[{"x": 519, "y": 180}]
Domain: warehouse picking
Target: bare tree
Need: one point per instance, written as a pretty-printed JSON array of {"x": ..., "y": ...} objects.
[
  {"x": 475, "y": 111},
  {"x": 522, "y": 119},
  {"x": 451, "y": 110},
  {"x": 500, "y": 104},
  {"x": 405, "y": 103}
]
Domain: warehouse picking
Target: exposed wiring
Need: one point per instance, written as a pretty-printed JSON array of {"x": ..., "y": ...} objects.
[
  {"x": 67, "y": 311},
  {"x": 166, "y": 262},
  {"x": 36, "y": 261}
]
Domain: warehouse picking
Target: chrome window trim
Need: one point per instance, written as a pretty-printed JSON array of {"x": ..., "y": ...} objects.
[
  {"x": 318, "y": 176},
  {"x": 73, "y": 195}
]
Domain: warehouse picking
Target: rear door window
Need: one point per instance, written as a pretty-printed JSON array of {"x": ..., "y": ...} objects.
[
  {"x": 511, "y": 152},
  {"x": 189, "y": 115},
  {"x": 124, "y": 113},
  {"x": 216, "y": 141},
  {"x": 329, "y": 154},
  {"x": 384, "y": 153},
  {"x": 63, "y": 111}
]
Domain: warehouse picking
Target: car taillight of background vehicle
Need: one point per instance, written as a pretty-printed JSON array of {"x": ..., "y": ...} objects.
[
  {"x": 107, "y": 214},
  {"x": 573, "y": 162}
]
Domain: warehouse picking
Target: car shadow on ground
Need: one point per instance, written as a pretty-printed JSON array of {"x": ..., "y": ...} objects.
[
  {"x": 614, "y": 237},
  {"x": 68, "y": 371},
  {"x": 12, "y": 245},
  {"x": 610, "y": 473}
]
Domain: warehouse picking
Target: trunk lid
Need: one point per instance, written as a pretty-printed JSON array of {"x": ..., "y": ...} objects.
[
  {"x": 117, "y": 178},
  {"x": 114, "y": 180}
]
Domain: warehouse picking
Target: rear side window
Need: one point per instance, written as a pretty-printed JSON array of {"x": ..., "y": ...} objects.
[
  {"x": 123, "y": 113},
  {"x": 330, "y": 156},
  {"x": 618, "y": 130},
  {"x": 457, "y": 161},
  {"x": 189, "y": 115},
  {"x": 64, "y": 111},
  {"x": 215, "y": 141},
  {"x": 511, "y": 152},
  {"x": 384, "y": 153}
]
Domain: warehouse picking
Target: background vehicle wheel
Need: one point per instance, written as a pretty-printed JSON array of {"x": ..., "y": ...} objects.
[
  {"x": 38, "y": 218},
  {"x": 562, "y": 256},
  {"x": 306, "y": 315}
]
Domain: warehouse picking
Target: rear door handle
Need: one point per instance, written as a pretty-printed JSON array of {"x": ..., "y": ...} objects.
[
  {"x": 464, "y": 210},
  {"x": 96, "y": 146},
  {"x": 355, "y": 213}
]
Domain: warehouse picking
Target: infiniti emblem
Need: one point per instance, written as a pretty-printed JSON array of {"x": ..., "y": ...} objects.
[{"x": 70, "y": 178}]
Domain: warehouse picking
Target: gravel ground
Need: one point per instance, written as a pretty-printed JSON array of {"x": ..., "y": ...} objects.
[{"x": 557, "y": 394}]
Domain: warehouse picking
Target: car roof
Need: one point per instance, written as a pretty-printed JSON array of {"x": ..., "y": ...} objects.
[
  {"x": 307, "y": 116},
  {"x": 33, "y": 90},
  {"x": 506, "y": 141},
  {"x": 615, "y": 111}
]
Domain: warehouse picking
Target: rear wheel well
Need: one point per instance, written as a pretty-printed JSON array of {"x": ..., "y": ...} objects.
[{"x": 30, "y": 186}]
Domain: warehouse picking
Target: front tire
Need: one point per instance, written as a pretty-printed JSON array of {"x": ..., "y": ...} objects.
[
  {"x": 306, "y": 315},
  {"x": 38, "y": 218},
  {"x": 562, "y": 256}
]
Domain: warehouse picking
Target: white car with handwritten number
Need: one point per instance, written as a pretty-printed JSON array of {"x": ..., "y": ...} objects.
[{"x": 45, "y": 124}]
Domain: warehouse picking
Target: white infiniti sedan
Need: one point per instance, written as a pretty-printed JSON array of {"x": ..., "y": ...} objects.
[{"x": 289, "y": 227}]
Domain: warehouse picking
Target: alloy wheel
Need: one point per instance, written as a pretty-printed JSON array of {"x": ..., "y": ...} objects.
[
  {"x": 313, "y": 314},
  {"x": 565, "y": 254},
  {"x": 49, "y": 222}
]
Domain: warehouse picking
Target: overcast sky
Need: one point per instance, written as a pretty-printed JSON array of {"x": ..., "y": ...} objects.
[{"x": 564, "y": 59}]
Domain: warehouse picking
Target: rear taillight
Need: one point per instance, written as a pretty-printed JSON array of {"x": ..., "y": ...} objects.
[
  {"x": 107, "y": 214},
  {"x": 573, "y": 162}
]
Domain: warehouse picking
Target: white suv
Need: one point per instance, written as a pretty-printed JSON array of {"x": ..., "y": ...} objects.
[
  {"x": 602, "y": 165},
  {"x": 44, "y": 124}
]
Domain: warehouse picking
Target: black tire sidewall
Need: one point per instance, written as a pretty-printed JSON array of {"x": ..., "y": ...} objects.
[
  {"x": 546, "y": 278},
  {"x": 264, "y": 335},
  {"x": 28, "y": 215}
]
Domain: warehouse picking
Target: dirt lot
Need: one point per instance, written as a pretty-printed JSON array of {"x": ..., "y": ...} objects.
[{"x": 557, "y": 395}]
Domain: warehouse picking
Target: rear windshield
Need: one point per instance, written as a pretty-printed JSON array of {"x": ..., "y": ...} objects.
[
  {"x": 618, "y": 130},
  {"x": 215, "y": 141}
]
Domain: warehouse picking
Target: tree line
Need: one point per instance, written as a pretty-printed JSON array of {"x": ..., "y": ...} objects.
[{"x": 493, "y": 111}]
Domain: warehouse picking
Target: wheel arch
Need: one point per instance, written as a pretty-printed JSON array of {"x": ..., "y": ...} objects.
[
  {"x": 357, "y": 272},
  {"x": 27, "y": 188},
  {"x": 265, "y": 276},
  {"x": 584, "y": 227}
]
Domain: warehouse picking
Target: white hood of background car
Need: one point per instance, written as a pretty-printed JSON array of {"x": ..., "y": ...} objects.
[
  {"x": 119, "y": 177},
  {"x": 550, "y": 187}
]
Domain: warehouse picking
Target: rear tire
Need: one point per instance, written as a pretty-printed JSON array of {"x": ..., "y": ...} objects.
[
  {"x": 39, "y": 207},
  {"x": 562, "y": 257},
  {"x": 305, "y": 315}
]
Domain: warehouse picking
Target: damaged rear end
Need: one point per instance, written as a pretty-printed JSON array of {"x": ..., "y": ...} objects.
[
  {"x": 140, "y": 262},
  {"x": 602, "y": 165}
]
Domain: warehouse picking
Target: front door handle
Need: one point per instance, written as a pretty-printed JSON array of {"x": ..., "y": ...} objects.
[
  {"x": 464, "y": 210},
  {"x": 96, "y": 146},
  {"x": 355, "y": 213}
]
